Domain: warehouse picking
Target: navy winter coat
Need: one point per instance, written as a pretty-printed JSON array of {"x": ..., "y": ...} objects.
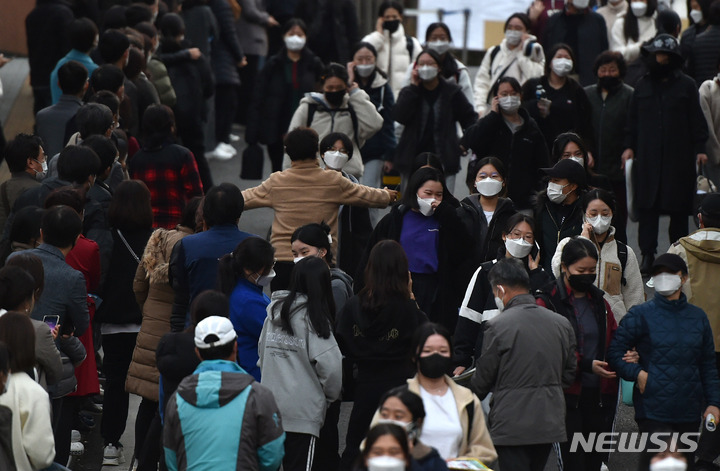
[{"x": 676, "y": 349}]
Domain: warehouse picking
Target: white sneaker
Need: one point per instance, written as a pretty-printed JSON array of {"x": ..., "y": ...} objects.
[
  {"x": 219, "y": 153},
  {"x": 113, "y": 456},
  {"x": 77, "y": 448},
  {"x": 234, "y": 138},
  {"x": 75, "y": 436},
  {"x": 228, "y": 148},
  {"x": 604, "y": 467}
]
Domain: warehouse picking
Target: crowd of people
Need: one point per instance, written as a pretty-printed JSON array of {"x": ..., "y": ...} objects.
[{"x": 488, "y": 330}]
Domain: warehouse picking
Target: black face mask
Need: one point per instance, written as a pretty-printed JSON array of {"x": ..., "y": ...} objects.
[
  {"x": 335, "y": 99},
  {"x": 435, "y": 365},
  {"x": 581, "y": 283},
  {"x": 660, "y": 70},
  {"x": 609, "y": 83},
  {"x": 391, "y": 25}
]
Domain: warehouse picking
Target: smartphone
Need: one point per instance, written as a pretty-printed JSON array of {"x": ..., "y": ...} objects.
[
  {"x": 535, "y": 250},
  {"x": 51, "y": 321}
]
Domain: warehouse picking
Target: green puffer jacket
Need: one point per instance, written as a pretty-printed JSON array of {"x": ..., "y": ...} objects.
[{"x": 161, "y": 80}]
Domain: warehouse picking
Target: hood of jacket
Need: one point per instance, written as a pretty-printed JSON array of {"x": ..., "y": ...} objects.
[
  {"x": 214, "y": 383},
  {"x": 703, "y": 244},
  {"x": 338, "y": 274},
  {"x": 278, "y": 297},
  {"x": 319, "y": 99}
]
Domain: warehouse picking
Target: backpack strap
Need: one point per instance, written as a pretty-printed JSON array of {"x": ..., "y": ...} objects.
[
  {"x": 410, "y": 45},
  {"x": 312, "y": 108},
  {"x": 622, "y": 253},
  {"x": 493, "y": 54},
  {"x": 355, "y": 125}
]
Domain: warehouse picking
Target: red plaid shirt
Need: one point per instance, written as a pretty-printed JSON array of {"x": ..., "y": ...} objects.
[{"x": 171, "y": 174}]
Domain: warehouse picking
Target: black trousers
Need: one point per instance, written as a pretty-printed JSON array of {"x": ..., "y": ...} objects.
[
  {"x": 118, "y": 350},
  {"x": 148, "y": 435},
  {"x": 523, "y": 457},
  {"x": 653, "y": 426},
  {"x": 620, "y": 217},
  {"x": 328, "y": 443},
  {"x": 64, "y": 410},
  {"x": 193, "y": 137},
  {"x": 248, "y": 77},
  {"x": 225, "y": 108},
  {"x": 299, "y": 451},
  {"x": 367, "y": 397},
  {"x": 276, "y": 151},
  {"x": 588, "y": 417},
  {"x": 648, "y": 226}
]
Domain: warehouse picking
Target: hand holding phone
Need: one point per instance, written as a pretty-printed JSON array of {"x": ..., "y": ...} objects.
[{"x": 51, "y": 321}]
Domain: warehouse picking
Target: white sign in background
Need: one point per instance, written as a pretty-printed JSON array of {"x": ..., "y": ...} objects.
[{"x": 480, "y": 12}]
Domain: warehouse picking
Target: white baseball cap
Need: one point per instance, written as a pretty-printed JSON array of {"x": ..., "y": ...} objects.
[{"x": 214, "y": 331}]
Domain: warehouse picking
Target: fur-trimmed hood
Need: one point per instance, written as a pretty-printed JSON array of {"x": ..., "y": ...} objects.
[{"x": 156, "y": 259}]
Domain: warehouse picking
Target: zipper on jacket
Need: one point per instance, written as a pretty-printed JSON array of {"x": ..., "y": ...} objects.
[{"x": 600, "y": 127}]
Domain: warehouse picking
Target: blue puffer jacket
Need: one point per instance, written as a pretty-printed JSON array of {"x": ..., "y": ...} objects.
[{"x": 676, "y": 349}]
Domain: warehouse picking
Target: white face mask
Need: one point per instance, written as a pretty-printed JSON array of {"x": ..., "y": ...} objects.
[
  {"x": 562, "y": 66},
  {"x": 666, "y": 284},
  {"x": 518, "y": 248},
  {"x": 40, "y": 176},
  {"x": 669, "y": 464},
  {"x": 441, "y": 47},
  {"x": 265, "y": 280},
  {"x": 555, "y": 192},
  {"x": 638, "y": 8},
  {"x": 696, "y": 16},
  {"x": 334, "y": 159},
  {"x": 509, "y": 103},
  {"x": 294, "y": 42},
  {"x": 513, "y": 37},
  {"x": 489, "y": 186},
  {"x": 425, "y": 205},
  {"x": 499, "y": 303},
  {"x": 600, "y": 224},
  {"x": 579, "y": 160},
  {"x": 385, "y": 463},
  {"x": 365, "y": 70},
  {"x": 581, "y": 3},
  {"x": 427, "y": 72}
]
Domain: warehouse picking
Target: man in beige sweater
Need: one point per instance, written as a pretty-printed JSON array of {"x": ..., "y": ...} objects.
[{"x": 306, "y": 193}]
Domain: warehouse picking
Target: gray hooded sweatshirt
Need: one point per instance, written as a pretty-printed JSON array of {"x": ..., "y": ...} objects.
[{"x": 304, "y": 370}]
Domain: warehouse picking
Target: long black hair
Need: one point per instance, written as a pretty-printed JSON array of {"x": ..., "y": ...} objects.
[
  {"x": 315, "y": 235},
  {"x": 253, "y": 254},
  {"x": 311, "y": 277},
  {"x": 630, "y": 26}
]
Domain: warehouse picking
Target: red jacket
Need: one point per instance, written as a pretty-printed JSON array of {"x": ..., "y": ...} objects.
[{"x": 85, "y": 257}]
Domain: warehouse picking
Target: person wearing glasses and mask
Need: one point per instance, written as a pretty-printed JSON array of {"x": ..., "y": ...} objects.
[
  {"x": 618, "y": 270},
  {"x": 479, "y": 305}
]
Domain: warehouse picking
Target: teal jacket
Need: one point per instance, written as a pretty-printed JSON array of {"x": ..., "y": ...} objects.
[{"x": 220, "y": 418}]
